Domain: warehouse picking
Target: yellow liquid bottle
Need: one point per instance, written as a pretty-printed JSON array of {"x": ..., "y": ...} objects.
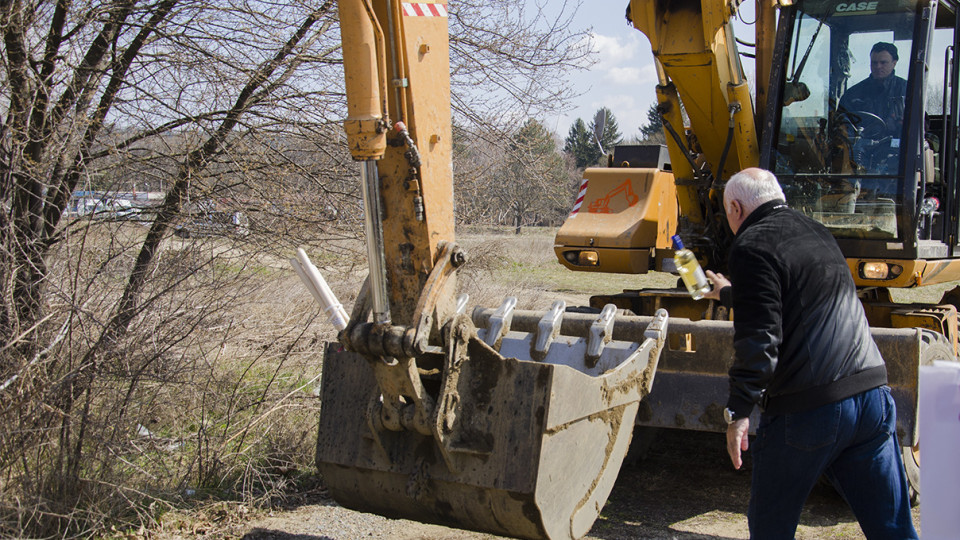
[{"x": 689, "y": 269}]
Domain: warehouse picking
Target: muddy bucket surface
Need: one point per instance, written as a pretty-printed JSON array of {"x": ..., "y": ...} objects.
[{"x": 530, "y": 450}]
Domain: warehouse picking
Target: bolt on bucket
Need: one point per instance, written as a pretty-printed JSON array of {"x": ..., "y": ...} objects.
[{"x": 516, "y": 434}]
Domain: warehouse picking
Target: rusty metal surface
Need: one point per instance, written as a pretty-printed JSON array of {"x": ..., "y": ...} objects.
[{"x": 520, "y": 448}]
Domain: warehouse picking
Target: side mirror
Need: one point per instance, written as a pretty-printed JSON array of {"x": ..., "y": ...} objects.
[{"x": 599, "y": 122}]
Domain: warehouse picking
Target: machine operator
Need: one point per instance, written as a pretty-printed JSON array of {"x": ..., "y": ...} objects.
[{"x": 881, "y": 93}]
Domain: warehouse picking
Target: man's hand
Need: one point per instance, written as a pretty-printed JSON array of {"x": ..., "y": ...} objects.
[
  {"x": 719, "y": 282},
  {"x": 737, "y": 440}
]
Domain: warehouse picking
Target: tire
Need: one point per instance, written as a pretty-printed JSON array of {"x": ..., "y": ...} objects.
[{"x": 933, "y": 346}]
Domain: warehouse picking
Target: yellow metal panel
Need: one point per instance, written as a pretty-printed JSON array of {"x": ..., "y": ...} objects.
[
  {"x": 765, "y": 36},
  {"x": 696, "y": 56},
  {"x": 362, "y": 40},
  {"x": 410, "y": 246},
  {"x": 941, "y": 271},
  {"x": 745, "y": 132},
  {"x": 611, "y": 261},
  {"x": 907, "y": 278},
  {"x": 645, "y": 16},
  {"x": 625, "y": 212}
]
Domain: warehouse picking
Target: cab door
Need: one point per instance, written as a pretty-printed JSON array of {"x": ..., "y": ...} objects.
[{"x": 939, "y": 200}]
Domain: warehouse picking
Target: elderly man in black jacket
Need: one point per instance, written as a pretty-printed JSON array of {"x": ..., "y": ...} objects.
[{"x": 804, "y": 355}]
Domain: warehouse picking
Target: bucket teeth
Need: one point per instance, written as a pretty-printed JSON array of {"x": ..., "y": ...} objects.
[
  {"x": 548, "y": 329},
  {"x": 588, "y": 348},
  {"x": 499, "y": 323},
  {"x": 601, "y": 332},
  {"x": 519, "y": 447}
]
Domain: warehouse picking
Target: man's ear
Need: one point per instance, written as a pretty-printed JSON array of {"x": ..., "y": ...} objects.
[{"x": 735, "y": 209}]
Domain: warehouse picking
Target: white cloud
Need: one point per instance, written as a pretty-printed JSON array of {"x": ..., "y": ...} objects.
[
  {"x": 615, "y": 51},
  {"x": 611, "y": 48},
  {"x": 623, "y": 78},
  {"x": 624, "y": 75}
]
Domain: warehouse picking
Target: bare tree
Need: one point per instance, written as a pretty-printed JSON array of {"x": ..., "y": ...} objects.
[
  {"x": 526, "y": 181},
  {"x": 133, "y": 363},
  {"x": 91, "y": 88},
  {"x": 512, "y": 60}
]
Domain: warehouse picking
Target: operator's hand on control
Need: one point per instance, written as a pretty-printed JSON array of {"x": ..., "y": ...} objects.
[
  {"x": 737, "y": 442},
  {"x": 719, "y": 282}
]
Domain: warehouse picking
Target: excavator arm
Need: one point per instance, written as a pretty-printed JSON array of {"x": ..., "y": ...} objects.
[
  {"x": 711, "y": 130},
  {"x": 430, "y": 413},
  {"x": 516, "y": 422},
  {"x": 700, "y": 74}
]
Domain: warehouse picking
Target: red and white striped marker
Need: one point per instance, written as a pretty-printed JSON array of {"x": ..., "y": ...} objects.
[
  {"x": 580, "y": 196},
  {"x": 423, "y": 9}
]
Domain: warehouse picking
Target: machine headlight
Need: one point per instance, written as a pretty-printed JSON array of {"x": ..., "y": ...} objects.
[
  {"x": 582, "y": 258},
  {"x": 588, "y": 258},
  {"x": 879, "y": 270}
]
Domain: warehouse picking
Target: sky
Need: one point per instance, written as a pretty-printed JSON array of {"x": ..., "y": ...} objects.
[{"x": 624, "y": 78}]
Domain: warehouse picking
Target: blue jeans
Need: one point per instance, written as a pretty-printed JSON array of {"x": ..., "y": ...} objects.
[{"x": 853, "y": 442}]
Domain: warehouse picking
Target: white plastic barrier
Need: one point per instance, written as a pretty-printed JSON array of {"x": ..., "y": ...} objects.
[{"x": 940, "y": 451}]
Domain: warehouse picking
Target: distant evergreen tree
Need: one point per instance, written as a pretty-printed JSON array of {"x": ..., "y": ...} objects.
[
  {"x": 535, "y": 179},
  {"x": 653, "y": 129},
  {"x": 581, "y": 146}
]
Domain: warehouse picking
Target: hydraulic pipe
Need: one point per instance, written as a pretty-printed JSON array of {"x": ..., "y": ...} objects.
[{"x": 373, "y": 228}]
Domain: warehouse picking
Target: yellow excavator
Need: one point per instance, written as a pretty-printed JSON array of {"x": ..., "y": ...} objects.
[{"x": 517, "y": 422}]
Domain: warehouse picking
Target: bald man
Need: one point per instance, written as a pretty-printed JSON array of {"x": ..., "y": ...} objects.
[{"x": 805, "y": 356}]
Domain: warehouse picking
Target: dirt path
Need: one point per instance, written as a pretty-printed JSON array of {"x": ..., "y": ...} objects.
[{"x": 684, "y": 489}]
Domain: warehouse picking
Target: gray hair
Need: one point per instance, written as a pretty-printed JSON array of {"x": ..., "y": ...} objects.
[{"x": 752, "y": 187}]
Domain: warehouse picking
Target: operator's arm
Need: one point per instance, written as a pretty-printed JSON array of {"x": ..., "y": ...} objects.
[
  {"x": 895, "y": 109},
  {"x": 757, "y": 327}
]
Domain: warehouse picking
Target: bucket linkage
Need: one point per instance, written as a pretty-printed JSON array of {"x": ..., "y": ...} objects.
[{"x": 514, "y": 433}]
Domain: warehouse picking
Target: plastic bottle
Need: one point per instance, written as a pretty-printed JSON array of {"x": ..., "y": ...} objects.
[{"x": 690, "y": 271}]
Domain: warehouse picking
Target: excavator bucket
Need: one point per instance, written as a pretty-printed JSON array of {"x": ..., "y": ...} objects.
[{"x": 515, "y": 433}]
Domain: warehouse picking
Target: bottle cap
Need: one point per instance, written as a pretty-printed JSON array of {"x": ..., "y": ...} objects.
[{"x": 677, "y": 242}]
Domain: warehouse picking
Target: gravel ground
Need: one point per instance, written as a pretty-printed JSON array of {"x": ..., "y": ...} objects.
[{"x": 685, "y": 488}]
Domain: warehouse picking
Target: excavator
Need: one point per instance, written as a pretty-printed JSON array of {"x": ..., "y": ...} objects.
[{"x": 517, "y": 422}]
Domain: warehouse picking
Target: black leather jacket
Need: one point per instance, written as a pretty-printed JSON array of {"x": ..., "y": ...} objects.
[
  {"x": 801, "y": 338},
  {"x": 884, "y": 98}
]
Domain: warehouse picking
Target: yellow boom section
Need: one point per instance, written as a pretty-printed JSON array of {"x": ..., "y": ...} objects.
[
  {"x": 697, "y": 64},
  {"x": 396, "y": 66}
]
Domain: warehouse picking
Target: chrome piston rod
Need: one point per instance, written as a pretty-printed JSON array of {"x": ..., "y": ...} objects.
[{"x": 373, "y": 228}]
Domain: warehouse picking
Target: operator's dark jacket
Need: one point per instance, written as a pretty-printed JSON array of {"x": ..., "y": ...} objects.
[
  {"x": 801, "y": 338},
  {"x": 884, "y": 98}
]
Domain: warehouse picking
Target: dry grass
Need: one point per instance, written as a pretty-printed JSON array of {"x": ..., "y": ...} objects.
[
  {"x": 210, "y": 394},
  {"x": 505, "y": 264}
]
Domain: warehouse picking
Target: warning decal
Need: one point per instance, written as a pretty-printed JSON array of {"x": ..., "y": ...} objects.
[
  {"x": 423, "y": 9},
  {"x": 580, "y": 196}
]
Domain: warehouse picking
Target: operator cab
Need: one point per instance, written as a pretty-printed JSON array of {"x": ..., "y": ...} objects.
[{"x": 869, "y": 152}]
